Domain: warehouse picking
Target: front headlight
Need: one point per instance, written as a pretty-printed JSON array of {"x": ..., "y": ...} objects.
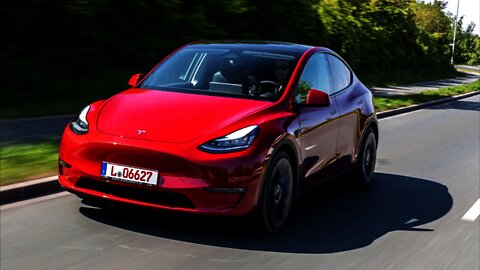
[
  {"x": 79, "y": 125},
  {"x": 236, "y": 141}
]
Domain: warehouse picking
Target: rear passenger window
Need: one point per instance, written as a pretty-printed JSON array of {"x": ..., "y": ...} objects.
[{"x": 341, "y": 75}]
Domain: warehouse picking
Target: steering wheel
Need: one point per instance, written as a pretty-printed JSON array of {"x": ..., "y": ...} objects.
[
  {"x": 269, "y": 82},
  {"x": 276, "y": 87}
]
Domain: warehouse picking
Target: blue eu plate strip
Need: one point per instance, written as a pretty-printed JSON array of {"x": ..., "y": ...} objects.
[{"x": 104, "y": 169}]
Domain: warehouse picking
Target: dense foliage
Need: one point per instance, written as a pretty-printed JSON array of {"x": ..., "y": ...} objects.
[{"x": 72, "y": 51}]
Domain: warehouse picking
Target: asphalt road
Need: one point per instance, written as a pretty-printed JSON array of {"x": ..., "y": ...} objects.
[{"x": 427, "y": 178}]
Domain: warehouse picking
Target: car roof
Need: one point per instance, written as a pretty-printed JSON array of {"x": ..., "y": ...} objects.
[{"x": 277, "y": 46}]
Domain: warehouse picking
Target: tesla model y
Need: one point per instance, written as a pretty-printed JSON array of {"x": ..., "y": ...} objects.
[{"x": 224, "y": 128}]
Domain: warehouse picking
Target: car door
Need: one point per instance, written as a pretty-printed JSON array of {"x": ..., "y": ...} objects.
[
  {"x": 319, "y": 126},
  {"x": 350, "y": 103}
]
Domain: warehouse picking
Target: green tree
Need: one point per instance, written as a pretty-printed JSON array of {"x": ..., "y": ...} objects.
[
  {"x": 373, "y": 35},
  {"x": 72, "y": 51},
  {"x": 434, "y": 28},
  {"x": 467, "y": 50}
]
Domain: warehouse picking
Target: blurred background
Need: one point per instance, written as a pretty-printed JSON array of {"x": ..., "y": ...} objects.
[{"x": 60, "y": 55}]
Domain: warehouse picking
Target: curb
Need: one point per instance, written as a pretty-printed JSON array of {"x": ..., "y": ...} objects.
[
  {"x": 49, "y": 185},
  {"x": 28, "y": 190},
  {"x": 420, "y": 106}
]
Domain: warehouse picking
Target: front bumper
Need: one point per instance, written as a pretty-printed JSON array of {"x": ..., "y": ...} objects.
[{"x": 193, "y": 181}]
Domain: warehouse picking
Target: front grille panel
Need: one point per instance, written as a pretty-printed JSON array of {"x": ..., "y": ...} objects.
[{"x": 140, "y": 194}]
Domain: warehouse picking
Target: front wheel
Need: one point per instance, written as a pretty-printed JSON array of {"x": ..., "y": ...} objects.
[
  {"x": 276, "y": 196},
  {"x": 365, "y": 166}
]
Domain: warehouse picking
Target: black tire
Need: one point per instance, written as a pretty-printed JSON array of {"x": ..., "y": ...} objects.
[
  {"x": 276, "y": 195},
  {"x": 367, "y": 157}
]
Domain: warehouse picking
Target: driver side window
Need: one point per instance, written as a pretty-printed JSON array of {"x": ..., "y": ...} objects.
[{"x": 315, "y": 76}]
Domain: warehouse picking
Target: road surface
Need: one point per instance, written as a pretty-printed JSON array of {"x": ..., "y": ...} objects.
[{"x": 413, "y": 216}]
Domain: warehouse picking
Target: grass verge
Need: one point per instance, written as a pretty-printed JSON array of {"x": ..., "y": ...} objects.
[
  {"x": 22, "y": 162},
  {"x": 395, "y": 102}
]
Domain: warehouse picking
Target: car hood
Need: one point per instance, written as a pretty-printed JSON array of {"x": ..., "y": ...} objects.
[{"x": 166, "y": 116}]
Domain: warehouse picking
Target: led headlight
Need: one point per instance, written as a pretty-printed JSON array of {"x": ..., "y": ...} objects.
[
  {"x": 79, "y": 125},
  {"x": 236, "y": 141}
]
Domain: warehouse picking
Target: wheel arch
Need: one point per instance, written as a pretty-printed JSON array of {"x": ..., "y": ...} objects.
[
  {"x": 373, "y": 124},
  {"x": 289, "y": 148}
]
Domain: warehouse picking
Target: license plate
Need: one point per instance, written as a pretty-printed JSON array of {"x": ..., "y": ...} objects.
[{"x": 129, "y": 174}]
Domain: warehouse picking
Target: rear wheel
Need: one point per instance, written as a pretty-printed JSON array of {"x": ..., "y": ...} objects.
[
  {"x": 276, "y": 196},
  {"x": 365, "y": 166}
]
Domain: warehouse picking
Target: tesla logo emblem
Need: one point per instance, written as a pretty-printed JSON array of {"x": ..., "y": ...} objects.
[{"x": 140, "y": 132}]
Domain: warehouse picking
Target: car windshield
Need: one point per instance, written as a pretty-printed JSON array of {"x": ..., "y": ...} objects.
[{"x": 233, "y": 72}]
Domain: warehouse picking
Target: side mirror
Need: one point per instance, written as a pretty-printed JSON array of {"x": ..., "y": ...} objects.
[
  {"x": 135, "y": 79},
  {"x": 318, "y": 98}
]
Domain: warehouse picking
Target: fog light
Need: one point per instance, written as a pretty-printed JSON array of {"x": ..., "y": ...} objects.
[{"x": 64, "y": 164}]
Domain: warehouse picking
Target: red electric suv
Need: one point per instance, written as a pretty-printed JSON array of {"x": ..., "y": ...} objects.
[{"x": 224, "y": 128}]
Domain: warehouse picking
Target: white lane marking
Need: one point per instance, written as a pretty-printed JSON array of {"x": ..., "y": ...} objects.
[
  {"x": 411, "y": 221},
  {"x": 473, "y": 212},
  {"x": 310, "y": 147},
  {"x": 176, "y": 254},
  {"x": 399, "y": 115},
  {"x": 34, "y": 200},
  {"x": 132, "y": 248}
]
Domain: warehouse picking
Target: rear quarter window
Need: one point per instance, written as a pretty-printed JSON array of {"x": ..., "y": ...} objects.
[{"x": 341, "y": 74}]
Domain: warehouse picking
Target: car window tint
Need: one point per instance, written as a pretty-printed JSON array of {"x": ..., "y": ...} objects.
[
  {"x": 225, "y": 71},
  {"x": 315, "y": 76},
  {"x": 341, "y": 75}
]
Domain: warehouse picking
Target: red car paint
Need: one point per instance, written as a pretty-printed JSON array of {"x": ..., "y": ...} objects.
[{"x": 175, "y": 124}]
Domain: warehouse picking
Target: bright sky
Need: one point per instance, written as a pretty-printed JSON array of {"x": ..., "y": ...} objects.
[{"x": 469, "y": 9}]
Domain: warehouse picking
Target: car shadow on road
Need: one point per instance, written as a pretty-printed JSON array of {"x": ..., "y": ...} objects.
[{"x": 334, "y": 217}]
